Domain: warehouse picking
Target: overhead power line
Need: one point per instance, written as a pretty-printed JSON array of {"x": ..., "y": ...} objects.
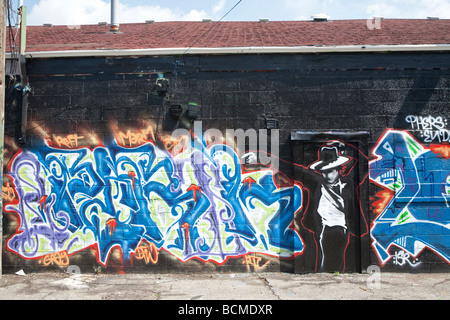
[{"x": 212, "y": 27}]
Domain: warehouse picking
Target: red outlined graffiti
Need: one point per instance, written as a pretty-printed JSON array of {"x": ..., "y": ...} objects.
[
  {"x": 96, "y": 192},
  {"x": 381, "y": 200},
  {"x": 112, "y": 224},
  {"x": 133, "y": 176},
  {"x": 249, "y": 181},
  {"x": 196, "y": 191},
  {"x": 443, "y": 150},
  {"x": 415, "y": 182}
]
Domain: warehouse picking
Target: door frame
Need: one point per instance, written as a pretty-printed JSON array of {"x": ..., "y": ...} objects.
[{"x": 360, "y": 140}]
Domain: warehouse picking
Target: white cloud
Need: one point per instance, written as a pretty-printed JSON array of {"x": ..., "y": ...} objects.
[
  {"x": 69, "y": 12},
  {"x": 410, "y": 9},
  {"x": 219, "y": 6},
  {"x": 381, "y": 10},
  {"x": 129, "y": 14},
  {"x": 439, "y": 8},
  {"x": 361, "y": 9},
  {"x": 93, "y": 11},
  {"x": 305, "y": 9},
  {"x": 82, "y": 12}
]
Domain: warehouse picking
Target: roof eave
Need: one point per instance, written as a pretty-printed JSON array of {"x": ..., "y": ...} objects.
[{"x": 234, "y": 50}]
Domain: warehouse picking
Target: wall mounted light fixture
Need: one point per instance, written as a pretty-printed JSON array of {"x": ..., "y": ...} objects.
[
  {"x": 162, "y": 85},
  {"x": 271, "y": 123}
]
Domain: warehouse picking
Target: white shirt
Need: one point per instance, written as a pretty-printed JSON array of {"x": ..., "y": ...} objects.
[{"x": 331, "y": 208}]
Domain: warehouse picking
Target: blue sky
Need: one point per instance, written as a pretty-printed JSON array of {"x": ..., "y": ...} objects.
[{"x": 78, "y": 12}]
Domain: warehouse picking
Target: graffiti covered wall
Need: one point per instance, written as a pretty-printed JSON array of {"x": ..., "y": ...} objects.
[
  {"x": 200, "y": 204},
  {"x": 101, "y": 184},
  {"x": 414, "y": 200}
]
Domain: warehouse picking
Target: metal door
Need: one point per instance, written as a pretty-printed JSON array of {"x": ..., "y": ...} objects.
[{"x": 332, "y": 169}]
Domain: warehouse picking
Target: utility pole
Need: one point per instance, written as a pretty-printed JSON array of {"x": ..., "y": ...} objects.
[{"x": 2, "y": 109}]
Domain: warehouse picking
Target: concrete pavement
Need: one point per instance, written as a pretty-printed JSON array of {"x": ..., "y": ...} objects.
[{"x": 226, "y": 286}]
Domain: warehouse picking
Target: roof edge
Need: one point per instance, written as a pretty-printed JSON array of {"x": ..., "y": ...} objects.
[{"x": 234, "y": 50}]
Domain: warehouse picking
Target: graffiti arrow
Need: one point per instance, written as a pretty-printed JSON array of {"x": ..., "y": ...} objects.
[
  {"x": 186, "y": 228},
  {"x": 249, "y": 180},
  {"x": 112, "y": 224},
  {"x": 133, "y": 175},
  {"x": 42, "y": 202},
  {"x": 194, "y": 189}
]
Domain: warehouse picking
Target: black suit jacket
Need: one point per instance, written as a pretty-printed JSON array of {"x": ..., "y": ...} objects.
[{"x": 313, "y": 181}]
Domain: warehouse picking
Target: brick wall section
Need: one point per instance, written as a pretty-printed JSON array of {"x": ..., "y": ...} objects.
[
  {"x": 357, "y": 92},
  {"x": 368, "y": 92}
]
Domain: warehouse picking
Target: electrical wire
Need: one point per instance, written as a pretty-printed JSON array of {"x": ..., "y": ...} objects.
[
  {"x": 177, "y": 62},
  {"x": 214, "y": 25}
]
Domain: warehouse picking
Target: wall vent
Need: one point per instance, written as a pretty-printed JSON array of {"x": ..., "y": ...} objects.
[{"x": 321, "y": 17}]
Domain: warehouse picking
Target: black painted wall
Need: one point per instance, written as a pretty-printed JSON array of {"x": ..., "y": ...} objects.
[
  {"x": 324, "y": 91},
  {"x": 320, "y": 92}
]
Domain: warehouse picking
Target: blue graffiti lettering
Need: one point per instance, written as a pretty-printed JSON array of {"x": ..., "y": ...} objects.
[
  {"x": 417, "y": 217},
  {"x": 198, "y": 204}
]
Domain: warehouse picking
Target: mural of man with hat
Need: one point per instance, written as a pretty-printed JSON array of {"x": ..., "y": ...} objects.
[{"x": 330, "y": 212}]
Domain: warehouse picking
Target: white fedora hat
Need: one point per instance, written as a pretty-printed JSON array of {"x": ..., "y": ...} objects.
[{"x": 329, "y": 158}]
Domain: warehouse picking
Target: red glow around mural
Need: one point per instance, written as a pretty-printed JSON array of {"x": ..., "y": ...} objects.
[{"x": 442, "y": 150}]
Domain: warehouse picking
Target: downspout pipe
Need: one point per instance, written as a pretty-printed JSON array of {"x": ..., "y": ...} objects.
[{"x": 22, "y": 140}]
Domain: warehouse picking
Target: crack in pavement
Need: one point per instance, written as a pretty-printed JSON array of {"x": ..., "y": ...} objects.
[{"x": 266, "y": 282}]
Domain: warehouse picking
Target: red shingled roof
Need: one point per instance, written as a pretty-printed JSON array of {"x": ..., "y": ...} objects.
[{"x": 237, "y": 34}]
